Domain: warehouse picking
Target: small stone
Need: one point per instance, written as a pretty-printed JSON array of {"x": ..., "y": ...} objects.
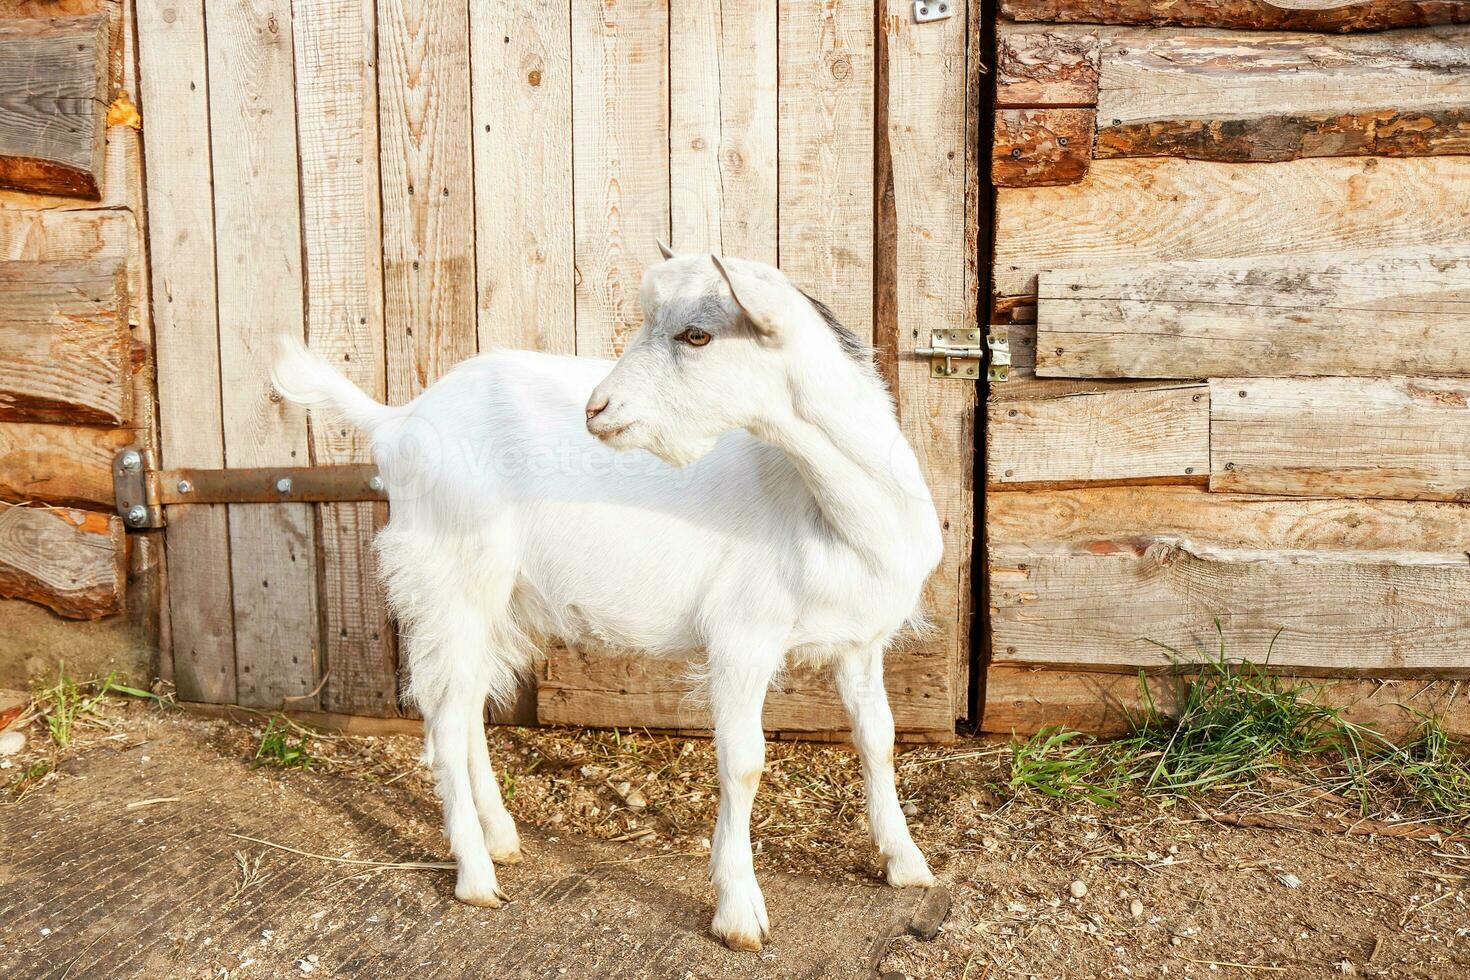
[
  {"x": 704, "y": 843},
  {"x": 305, "y": 966},
  {"x": 1135, "y": 909},
  {"x": 1078, "y": 889},
  {"x": 1289, "y": 880},
  {"x": 635, "y": 800},
  {"x": 910, "y": 810},
  {"x": 1175, "y": 941},
  {"x": 12, "y": 742},
  {"x": 930, "y": 915},
  {"x": 1346, "y": 967}
]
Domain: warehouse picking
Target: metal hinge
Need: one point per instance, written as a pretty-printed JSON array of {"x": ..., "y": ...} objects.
[
  {"x": 141, "y": 490},
  {"x": 956, "y": 353},
  {"x": 927, "y": 10},
  {"x": 998, "y": 342}
]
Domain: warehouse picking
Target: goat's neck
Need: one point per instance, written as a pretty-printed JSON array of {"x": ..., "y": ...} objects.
[{"x": 842, "y": 436}]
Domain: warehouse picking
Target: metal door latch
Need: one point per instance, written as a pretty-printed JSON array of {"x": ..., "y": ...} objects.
[
  {"x": 927, "y": 10},
  {"x": 999, "y": 345},
  {"x": 956, "y": 353}
]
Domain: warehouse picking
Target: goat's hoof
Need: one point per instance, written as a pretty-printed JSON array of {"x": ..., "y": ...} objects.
[
  {"x": 909, "y": 870},
  {"x": 741, "y": 923},
  {"x": 741, "y": 942},
  {"x": 511, "y": 855},
  {"x": 480, "y": 896}
]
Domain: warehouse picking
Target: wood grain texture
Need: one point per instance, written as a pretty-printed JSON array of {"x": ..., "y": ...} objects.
[
  {"x": 428, "y": 191},
  {"x": 722, "y": 128},
  {"x": 522, "y": 86},
  {"x": 173, "y": 72},
  {"x": 620, "y": 122},
  {"x": 1117, "y": 435},
  {"x": 1126, "y": 520},
  {"x": 1046, "y": 66},
  {"x": 1023, "y": 700},
  {"x": 67, "y": 465},
  {"x": 925, "y": 134},
  {"x": 64, "y": 344},
  {"x": 1248, "y": 318},
  {"x": 1130, "y": 211},
  {"x": 1221, "y": 95},
  {"x": 1264, "y": 15},
  {"x": 826, "y": 154},
  {"x": 1038, "y": 147},
  {"x": 1023, "y": 385},
  {"x": 1405, "y": 438},
  {"x": 258, "y": 228},
  {"x": 54, "y": 76},
  {"x": 71, "y": 561},
  {"x": 336, "y": 106},
  {"x": 1363, "y": 613}
]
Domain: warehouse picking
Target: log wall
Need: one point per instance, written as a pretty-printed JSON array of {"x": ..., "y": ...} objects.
[{"x": 1230, "y": 251}]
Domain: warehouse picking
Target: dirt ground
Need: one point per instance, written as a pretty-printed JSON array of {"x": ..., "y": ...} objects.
[{"x": 154, "y": 849}]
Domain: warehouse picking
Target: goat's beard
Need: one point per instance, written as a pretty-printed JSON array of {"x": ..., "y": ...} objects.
[{"x": 681, "y": 452}]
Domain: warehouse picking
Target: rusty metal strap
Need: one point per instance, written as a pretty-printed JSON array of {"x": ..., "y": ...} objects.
[{"x": 271, "y": 485}]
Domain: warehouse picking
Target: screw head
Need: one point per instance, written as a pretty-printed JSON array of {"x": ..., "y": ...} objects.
[
  {"x": 185, "y": 486},
  {"x": 283, "y": 485},
  {"x": 132, "y": 460},
  {"x": 375, "y": 482},
  {"x": 136, "y": 515}
]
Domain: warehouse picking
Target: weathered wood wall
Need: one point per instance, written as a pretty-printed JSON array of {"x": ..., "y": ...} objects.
[
  {"x": 406, "y": 183},
  {"x": 1232, "y": 264},
  {"x": 76, "y": 364}
]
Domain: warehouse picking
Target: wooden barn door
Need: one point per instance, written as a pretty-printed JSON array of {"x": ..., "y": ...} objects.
[
  {"x": 407, "y": 182},
  {"x": 1233, "y": 260}
]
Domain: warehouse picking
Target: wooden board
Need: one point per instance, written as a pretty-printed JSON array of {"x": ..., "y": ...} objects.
[
  {"x": 1046, "y": 66},
  {"x": 53, "y": 104},
  {"x": 523, "y": 175},
  {"x": 1384, "y": 613},
  {"x": 71, "y": 561},
  {"x": 68, "y": 465},
  {"x": 1126, "y": 520},
  {"x": 1407, "y": 438},
  {"x": 428, "y": 191},
  {"x": 1023, "y": 700},
  {"x": 258, "y": 228},
  {"x": 174, "y": 74},
  {"x": 722, "y": 128},
  {"x": 336, "y": 106},
  {"x": 1037, "y": 147},
  {"x": 620, "y": 146},
  {"x": 1148, "y": 435},
  {"x": 64, "y": 343},
  {"x": 1257, "y": 318},
  {"x": 924, "y": 116},
  {"x": 1130, "y": 211},
  {"x": 1221, "y": 95},
  {"x": 1022, "y": 384},
  {"x": 826, "y": 154},
  {"x": 1266, "y": 15}
]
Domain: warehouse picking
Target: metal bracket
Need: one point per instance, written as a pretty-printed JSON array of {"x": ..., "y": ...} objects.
[
  {"x": 927, "y": 10},
  {"x": 954, "y": 353},
  {"x": 133, "y": 489},
  {"x": 999, "y": 345}
]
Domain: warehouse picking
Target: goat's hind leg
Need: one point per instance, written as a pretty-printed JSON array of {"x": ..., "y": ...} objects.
[
  {"x": 499, "y": 827},
  {"x": 860, "y": 682},
  {"x": 451, "y": 722}
]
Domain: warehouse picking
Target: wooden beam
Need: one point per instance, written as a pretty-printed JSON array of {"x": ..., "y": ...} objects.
[
  {"x": 53, "y": 104},
  {"x": 1257, "y": 318},
  {"x": 1379, "y": 612},
  {"x": 1221, "y": 95},
  {"x": 1131, "y": 211},
  {"x": 1023, "y": 700},
  {"x": 71, "y": 561},
  {"x": 64, "y": 343},
  {"x": 1038, "y": 147},
  {"x": 67, "y": 465},
  {"x": 1138, "y": 435},
  {"x": 337, "y": 112},
  {"x": 1261, "y": 15},
  {"x": 1046, "y": 66},
  {"x": 1407, "y": 438}
]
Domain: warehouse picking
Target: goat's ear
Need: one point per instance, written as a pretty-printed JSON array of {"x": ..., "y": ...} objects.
[
  {"x": 755, "y": 299},
  {"x": 664, "y": 250}
]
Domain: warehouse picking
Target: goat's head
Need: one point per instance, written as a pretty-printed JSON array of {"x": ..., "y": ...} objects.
[{"x": 719, "y": 342}]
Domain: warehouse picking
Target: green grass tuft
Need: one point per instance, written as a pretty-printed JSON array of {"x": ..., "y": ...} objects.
[
  {"x": 68, "y": 701},
  {"x": 277, "y": 748}
]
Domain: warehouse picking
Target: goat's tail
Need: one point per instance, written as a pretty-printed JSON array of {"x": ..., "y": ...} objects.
[{"x": 304, "y": 377}]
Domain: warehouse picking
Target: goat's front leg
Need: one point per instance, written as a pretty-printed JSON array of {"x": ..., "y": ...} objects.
[
  {"x": 737, "y": 694},
  {"x": 860, "y": 682},
  {"x": 450, "y": 724}
]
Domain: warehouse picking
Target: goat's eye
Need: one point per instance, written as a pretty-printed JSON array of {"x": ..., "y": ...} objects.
[{"x": 696, "y": 337}]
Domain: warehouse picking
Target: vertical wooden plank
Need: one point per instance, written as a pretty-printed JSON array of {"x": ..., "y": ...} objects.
[
  {"x": 722, "y": 127},
  {"x": 337, "y": 124},
  {"x": 173, "y": 74},
  {"x": 826, "y": 154},
  {"x": 925, "y": 133},
  {"x": 620, "y": 122},
  {"x": 521, "y": 65},
  {"x": 428, "y": 191},
  {"x": 258, "y": 230}
]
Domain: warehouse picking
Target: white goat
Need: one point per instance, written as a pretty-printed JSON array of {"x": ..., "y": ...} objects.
[{"x": 765, "y": 507}]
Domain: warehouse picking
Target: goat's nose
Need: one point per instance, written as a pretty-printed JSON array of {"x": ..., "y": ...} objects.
[{"x": 595, "y": 407}]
